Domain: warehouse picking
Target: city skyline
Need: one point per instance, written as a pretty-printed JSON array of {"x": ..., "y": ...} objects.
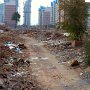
[
  {"x": 34, "y": 9},
  {"x": 35, "y": 6}
]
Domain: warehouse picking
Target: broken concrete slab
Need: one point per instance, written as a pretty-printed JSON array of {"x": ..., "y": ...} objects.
[{"x": 74, "y": 63}]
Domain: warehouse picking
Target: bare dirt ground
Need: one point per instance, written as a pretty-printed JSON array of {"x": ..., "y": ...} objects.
[{"x": 50, "y": 74}]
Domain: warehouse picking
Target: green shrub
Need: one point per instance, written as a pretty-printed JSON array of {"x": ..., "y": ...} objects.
[{"x": 75, "y": 15}]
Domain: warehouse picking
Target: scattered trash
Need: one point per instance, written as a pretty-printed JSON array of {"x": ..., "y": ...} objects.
[
  {"x": 10, "y": 45},
  {"x": 18, "y": 50},
  {"x": 15, "y": 47},
  {"x": 64, "y": 62},
  {"x": 18, "y": 74},
  {"x": 14, "y": 67},
  {"x": 81, "y": 74},
  {"x": 1, "y": 31},
  {"x": 34, "y": 58},
  {"x": 44, "y": 58},
  {"x": 66, "y": 34}
]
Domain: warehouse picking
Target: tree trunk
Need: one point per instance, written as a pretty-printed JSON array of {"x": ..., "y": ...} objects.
[{"x": 16, "y": 24}]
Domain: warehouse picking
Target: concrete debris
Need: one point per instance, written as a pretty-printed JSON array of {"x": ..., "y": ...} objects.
[
  {"x": 15, "y": 71},
  {"x": 21, "y": 46},
  {"x": 74, "y": 63},
  {"x": 4, "y": 27}
]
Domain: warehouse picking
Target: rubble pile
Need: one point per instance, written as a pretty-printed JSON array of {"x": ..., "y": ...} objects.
[
  {"x": 10, "y": 36},
  {"x": 14, "y": 75},
  {"x": 64, "y": 51},
  {"x": 15, "y": 71},
  {"x": 59, "y": 45},
  {"x": 4, "y": 28},
  {"x": 34, "y": 34}
]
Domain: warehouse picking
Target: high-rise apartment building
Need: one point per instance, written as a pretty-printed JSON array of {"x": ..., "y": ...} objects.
[
  {"x": 88, "y": 19},
  {"x": 55, "y": 12},
  {"x": 44, "y": 16},
  {"x": 10, "y": 7},
  {"x": 2, "y": 13},
  {"x": 27, "y": 13}
]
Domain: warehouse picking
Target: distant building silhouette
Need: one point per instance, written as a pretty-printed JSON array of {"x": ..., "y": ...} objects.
[
  {"x": 49, "y": 15},
  {"x": 27, "y": 13},
  {"x": 44, "y": 16}
]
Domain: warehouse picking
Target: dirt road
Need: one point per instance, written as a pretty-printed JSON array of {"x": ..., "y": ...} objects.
[{"x": 49, "y": 73}]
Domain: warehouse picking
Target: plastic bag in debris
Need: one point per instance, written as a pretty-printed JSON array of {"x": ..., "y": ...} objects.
[
  {"x": 10, "y": 45},
  {"x": 18, "y": 50}
]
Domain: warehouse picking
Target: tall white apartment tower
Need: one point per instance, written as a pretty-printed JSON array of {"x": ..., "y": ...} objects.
[
  {"x": 55, "y": 12},
  {"x": 27, "y": 13}
]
